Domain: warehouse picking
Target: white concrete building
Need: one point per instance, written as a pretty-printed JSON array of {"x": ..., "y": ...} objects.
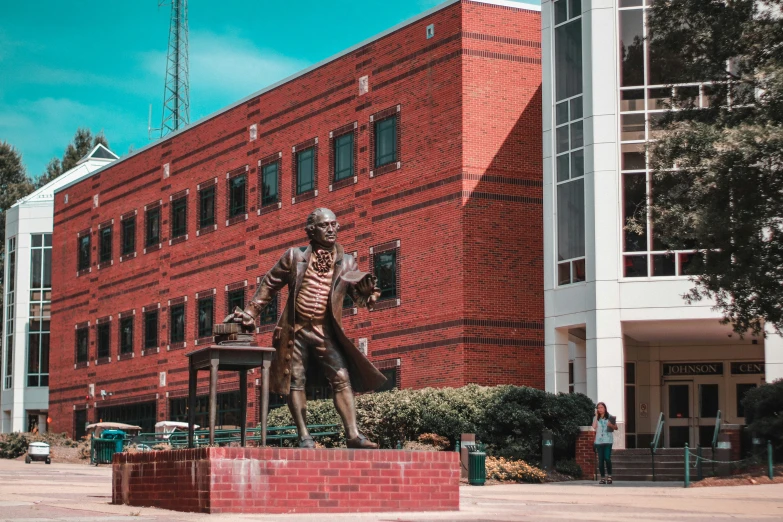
[
  {"x": 617, "y": 327},
  {"x": 24, "y": 400}
]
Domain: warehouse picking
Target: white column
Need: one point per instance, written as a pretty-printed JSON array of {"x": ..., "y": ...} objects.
[
  {"x": 580, "y": 367},
  {"x": 605, "y": 366},
  {"x": 556, "y": 359},
  {"x": 773, "y": 355}
]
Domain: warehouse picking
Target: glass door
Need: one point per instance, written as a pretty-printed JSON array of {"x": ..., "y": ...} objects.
[
  {"x": 709, "y": 404},
  {"x": 678, "y": 401}
]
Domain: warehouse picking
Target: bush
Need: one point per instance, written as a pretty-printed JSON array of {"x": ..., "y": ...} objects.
[
  {"x": 569, "y": 467},
  {"x": 516, "y": 470},
  {"x": 436, "y": 441},
  {"x": 318, "y": 412},
  {"x": 13, "y": 445},
  {"x": 764, "y": 414}
]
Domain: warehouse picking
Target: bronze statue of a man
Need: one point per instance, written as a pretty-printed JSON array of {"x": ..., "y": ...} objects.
[{"x": 318, "y": 278}]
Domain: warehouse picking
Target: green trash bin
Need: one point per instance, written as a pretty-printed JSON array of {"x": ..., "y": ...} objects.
[
  {"x": 104, "y": 447},
  {"x": 477, "y": 465}
]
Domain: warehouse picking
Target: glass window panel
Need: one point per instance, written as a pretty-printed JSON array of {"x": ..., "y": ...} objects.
[
  {"x": 665, "y": 67},
  {"x": 386, "y": 141},
  {"x": 578, "y": 270},
  {"x": 129, "y": 236},
  {"x": 564, "y": 273},
  {"x": 633, "y": 156},
  {"x": 47, "y": 269},
  {"x": 576, "y": 108},
  {"x": 153, "y": 227},
  {"x": 236, "y": 204},
  {"x": 632, "y": 127},
  {"x": 577, "y": 163},
  {"x": 679, "y": 401},
  {"x": 45, "y": 355},
  {"x": 561, "y": 11},
  {"x": 634, "y": 205},
  {"x": 568, "y": 60},
  {"x": 126, "y": 335},
  {"x": 270, "y": 180},
  {"x": 574, "y": 8},
  {"x": 577, "y": 135},
  {"x": 742, "y": 389},
  {"x": 37, "y": 240},
  {"x": 47, "y": 240},
  {"x": 151, "y": 329},
  {"x": 561, "y": 135},
  {"x": 33, "y": 352},
  {"x": 561, "y": 113},
  {"x": 104, "y": 340},
  {"x": 84, "y": 252},
  {"x": 343, "y": 157},
  {"x": 207, "y": 207},
  {"x": 12, "y": 270},
  {"x": 708, "y": 401},
  {"x": 688, "y": 263},
  {"x": 630, "y": 3},
  {"x": 36, "y": 263},
  {"x": 630, "y": 409},
  {"x": 205, "y": 317},
  {"x": 659, "y": 99},
  {"x": 177, "y": 326},
  {"x": 105, "y": 256},
  {"x": 562, "y": 167},
  {"x": 570, "y": 220},
  {"x": 656, "y": 131},
  {"x": 632, "y": 100},
  {"x": 179, "y": 219},
  {"x": 82, "y": 344},
  {"x": 236, "y": 299},
  {"x": 386, "y": 272},
  {"x": 663, "y": 265},
  {"x": 305, "y": 171},
  {"x": 635, "y": 266},
  {"x": 631, "y": 48},
  {"x": 687, "y": 96},
  {"x": 630, "y": 373}
]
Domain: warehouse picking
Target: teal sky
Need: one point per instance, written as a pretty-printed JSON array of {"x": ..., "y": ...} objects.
[{"x": 66, "y": 64}]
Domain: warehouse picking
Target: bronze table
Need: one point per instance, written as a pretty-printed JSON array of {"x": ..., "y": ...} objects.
[{"x": 217, "y": 358}]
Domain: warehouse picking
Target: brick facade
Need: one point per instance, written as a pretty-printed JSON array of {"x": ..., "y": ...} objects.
[
  {"x": 462, "y": 206},
  {"x": 280, "y": 480},
  {"x": 585, "y": 452}
]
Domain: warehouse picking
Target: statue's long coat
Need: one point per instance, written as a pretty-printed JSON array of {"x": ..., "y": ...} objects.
[{"x": 289, "y": 271}]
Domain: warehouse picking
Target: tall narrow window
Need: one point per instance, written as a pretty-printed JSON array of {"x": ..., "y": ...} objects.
[
  {"x": 151, "y": 329},
  {"x": 269, "y": 314},
  {"x": 177, "y": 324},
  {"x": 237, "y": 196},
  {"x": 38, "y": 353},
  {"x": 126, "y": 335},
  {"x": 235, "y": 299},
  {"x": 206, "y": 207},
  {"x": 84, "y": 252},
  {"x": 105, "y": 248},
  {"x": 104, "y": 340},
  {"x": 179, "y": 217},
  {"x": 206, "y": 316},
  {"x": 82, "y": 345},
  {"x": 40, "y": 310},
  {"x": 129, "y": 236},
  {"x": 385, "y": 269},
  {"x": 9, "y": 314},
  {"x": 152, "y": 236},
  {"x": 305, "y": 170},
  {"x": 270, "y": 176},
  {"x": 386, "y": 141},
  {"x": 343, "y": 156}
]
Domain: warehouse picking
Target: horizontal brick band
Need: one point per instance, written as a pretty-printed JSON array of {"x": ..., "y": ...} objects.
[{"x": 209, "y": 267}]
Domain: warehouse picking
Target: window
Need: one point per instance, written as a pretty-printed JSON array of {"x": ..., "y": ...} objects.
[
  {"x": 38, "y": 353},
  {"x": 79, "y": 424},
  {"x": 206, "y": 207},
  {"x": 10, "y": 313},
  {"x": 235, "y": 299},
  {"x": 129, "y": 236},
  {"x": 84, "y": 252},
  {"x": 391, "y": 379},
  {"x": 104, "y": 340},
  {"x": 305, "y": 170},
  {"x": 152, "y": 236},
  {"x": 569, "y": 143},
  {"x": 570, "y": 376},
  {"x": 105, "y": 249},
  {"x": 385, "y": 269},
  {"x": 269, "y": 314},
  {"x": 237, "y": 196},
  {"x": 142, "y": 414},
  {"x": 742, "y": 389},
  {"x": 82, "y": 345},
  {"x": 179, "y": 217},
  {"x": 228, "y": 409},
  {"x": 206, "y": 316},
  {"x": 270, "y": 179},
  {"x": 386, "y": 141},
  {"x": 151, "y": 329},
  {"x": 126, "y": 335},
  {"x": 343, "y": 156},
  {"x": 630, "y": 404},
  {"x": 177, "y": 324}
]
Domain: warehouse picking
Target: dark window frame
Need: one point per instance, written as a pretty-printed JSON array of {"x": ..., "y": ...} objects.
[
  {"x": 234, "y": 210},
  {"x": 180, "y": 338},
  {"x": 85, "y": 333},
  {"x": 203, "y": 191},
  {"x": 128, "y": 247},
  {"x": 265, "y": 201},
  {"x": 179, "y": 229},
  {"x": 83, "y": 253},
  {"x": 389, "y": 300},
  {"x": 298, "y": 191},
  {"x": 147, "y": 315},
  {"x": 103, "y": 333},
  {"x": 149, "y": 240},
  {"x": 123, "y": 347},
  {"x": 105, "y": 248},
  {"x": 303, "y": 188},
  {"x": 203, "y": 333},
  {"x": 380, "y": 133},
  {"x": 337, "y": 180},
  {"x": 229, "y": 304}
]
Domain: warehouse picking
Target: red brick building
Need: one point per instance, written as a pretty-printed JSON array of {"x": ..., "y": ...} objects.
[{"x": 425, "y": 141}]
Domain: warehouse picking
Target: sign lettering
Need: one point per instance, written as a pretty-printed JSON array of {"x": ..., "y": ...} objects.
[
  {"x": 711, "y": 368},
  {"x": 747, "y": 368}
]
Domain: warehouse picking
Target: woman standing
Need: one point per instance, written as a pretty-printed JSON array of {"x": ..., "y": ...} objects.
[{"x": 604, "y": 426}]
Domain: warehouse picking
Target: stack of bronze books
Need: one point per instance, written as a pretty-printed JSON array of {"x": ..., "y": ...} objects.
[{"x": 230, "y": 333}]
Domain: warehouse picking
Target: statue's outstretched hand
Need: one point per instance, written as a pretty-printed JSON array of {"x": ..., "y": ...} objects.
[
  {"x": 367, "y": 288},
  {"x": 242, "y": 317}
]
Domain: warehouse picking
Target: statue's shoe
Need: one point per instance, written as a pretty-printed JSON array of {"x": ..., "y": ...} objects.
[
  {"x": 307, "y": 442},
  {"x": 361, "y": 442}
]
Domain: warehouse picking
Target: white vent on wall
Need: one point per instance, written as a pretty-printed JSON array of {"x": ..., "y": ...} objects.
[
  {"x": 430, "y": 31},
  {"x": 92, "y": 390},
  {"x": 95, "y": 201},
  {"x": 363, "y": 345},
  {"x": 253, "y": 132},
  {"x": 162, "y": 379},
  {"x": 166, "y": 170},
  {"x": 364, "y": 85}
]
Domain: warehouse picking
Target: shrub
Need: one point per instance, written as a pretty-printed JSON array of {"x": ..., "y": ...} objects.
[
  {"x": 434, "y": 440},
  {"x": 764, "y": 414},
  {"x": 318, "y": 412},
  {"x": 569, "y": 467},
  {"x": 516, "y": 470},
  {"x": 13, "y": 445}
]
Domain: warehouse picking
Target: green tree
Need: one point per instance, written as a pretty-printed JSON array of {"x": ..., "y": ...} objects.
[
  {"x": 82, "y": 143},
  {"x": 717, "y": 183}
]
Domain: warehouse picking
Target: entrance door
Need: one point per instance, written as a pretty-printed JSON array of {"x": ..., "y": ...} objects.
[{"x": 692, "y": 407}]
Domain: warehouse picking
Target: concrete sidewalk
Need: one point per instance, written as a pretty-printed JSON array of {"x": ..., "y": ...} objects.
[{"x": 68, "y": 492}]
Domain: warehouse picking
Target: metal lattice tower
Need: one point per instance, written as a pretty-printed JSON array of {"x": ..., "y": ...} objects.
[{"x": 176, "y": 94}]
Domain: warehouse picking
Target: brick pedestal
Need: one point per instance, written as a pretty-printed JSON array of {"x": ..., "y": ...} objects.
[
  {"x": 585, "y": 452},
  {"x": 283, "y": 480},
  {"x": 734, "y": 431}
]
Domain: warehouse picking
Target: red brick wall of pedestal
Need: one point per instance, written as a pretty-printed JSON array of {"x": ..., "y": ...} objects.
[
  {"x": 585, "y": 453},
  {"x": 733, "y": 431},
  {"x": 283, "y": 480}
]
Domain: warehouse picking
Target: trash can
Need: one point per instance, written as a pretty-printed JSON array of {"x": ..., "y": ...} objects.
[
  {"x": 104, "y": 447},
  {"x": 547, "y": 450},
  {"x": 477, "y": 465}
]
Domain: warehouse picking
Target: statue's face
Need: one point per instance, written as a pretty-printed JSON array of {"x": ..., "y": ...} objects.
[{"x": 324, "y": 231}]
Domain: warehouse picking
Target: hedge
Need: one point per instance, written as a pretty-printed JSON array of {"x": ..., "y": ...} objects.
[
  {"x": 508, "y": 419},
  {"x": 764, "y": 414}
]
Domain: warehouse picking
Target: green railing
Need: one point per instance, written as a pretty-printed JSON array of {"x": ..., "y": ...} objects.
[
  {"x": 179, "y": 439},
  {"x": 730, "y": 466},
  {"x": 656, "y": 442}
]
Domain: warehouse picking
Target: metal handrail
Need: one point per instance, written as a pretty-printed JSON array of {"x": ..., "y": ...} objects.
[
  {"x": 655, "y": 442},
  {"x": 717, "y": 430}
]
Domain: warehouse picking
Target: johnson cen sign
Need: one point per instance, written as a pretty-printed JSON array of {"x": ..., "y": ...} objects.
[{"x": 706, "y": 368}]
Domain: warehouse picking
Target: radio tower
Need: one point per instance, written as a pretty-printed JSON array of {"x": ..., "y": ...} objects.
[{"x": 176, "y": 94}]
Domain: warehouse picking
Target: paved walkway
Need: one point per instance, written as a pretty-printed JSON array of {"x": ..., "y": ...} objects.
[{"x": 68, "y": 492}]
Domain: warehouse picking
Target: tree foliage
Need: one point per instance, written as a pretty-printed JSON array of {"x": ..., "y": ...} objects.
[
  {"x": 717, "y": 183},
  {"x": 83, "y": 142}
]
